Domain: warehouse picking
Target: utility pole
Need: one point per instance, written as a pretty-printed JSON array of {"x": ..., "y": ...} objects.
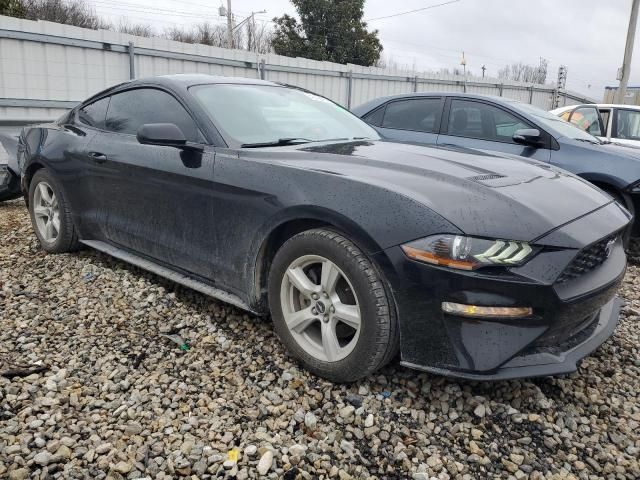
[
  {"x": 229, "y": 25},
  {"x": 464, "y": 67},
  {"x": 483, "y": 69},
  {"x": 628, "y": 52}
]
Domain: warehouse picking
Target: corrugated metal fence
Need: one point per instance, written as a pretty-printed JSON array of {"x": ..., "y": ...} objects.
[{"x": 46, "y": 68}]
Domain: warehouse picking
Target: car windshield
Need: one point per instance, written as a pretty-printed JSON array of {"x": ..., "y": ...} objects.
[
  {"x": 550, "y": 121},
  {"x": 256, "y": 115}
]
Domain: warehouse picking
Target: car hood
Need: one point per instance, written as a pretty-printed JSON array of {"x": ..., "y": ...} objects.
[{"x": 481, "y": 193}]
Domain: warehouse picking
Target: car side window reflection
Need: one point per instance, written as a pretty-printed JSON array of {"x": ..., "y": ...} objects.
[
  {"x": 482, "y": 121},
  {"x": 130, "y": 109},
  {"x": 94, "y": 113}
]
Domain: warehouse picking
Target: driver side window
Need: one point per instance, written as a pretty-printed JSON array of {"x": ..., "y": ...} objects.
[
  {"x": 587, "y": 119},
  {"x": 130, "y": 109}
]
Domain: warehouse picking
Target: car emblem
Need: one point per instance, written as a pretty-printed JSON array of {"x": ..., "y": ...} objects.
[
  {"x": 320, "y": 307},
  {"x": 608, "y": 249}
]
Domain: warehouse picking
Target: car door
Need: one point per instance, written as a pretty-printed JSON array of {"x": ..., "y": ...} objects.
[
  {"x": 588, "y": 118},
  {"x": 408, "y": 120},
  {"x": 154, "y": 200},
  {"x": 76, "y": 168},
  {"x": 626, "y": 126},
  {"x": 483, "y": 125}
]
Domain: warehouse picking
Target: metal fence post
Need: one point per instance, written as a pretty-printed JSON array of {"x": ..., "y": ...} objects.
[
  {"x": 262, "y": 67},
  {"x": 500, "y": 90},
  {"x": 349, "y": 88},
  {"x": 132, "y": 61},
  {"x": 415, "y": 84},
  {"x": 530, "y": 94}
]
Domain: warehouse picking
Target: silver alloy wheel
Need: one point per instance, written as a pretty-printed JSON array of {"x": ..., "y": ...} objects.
[
  {"x": 320, "y": 308},
  {"x": 46, "y": 212}
]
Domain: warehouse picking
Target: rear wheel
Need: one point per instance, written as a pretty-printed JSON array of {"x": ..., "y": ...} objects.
[
  {"x": 50, "y": 214},
  {"x": 330, "y": 307}
]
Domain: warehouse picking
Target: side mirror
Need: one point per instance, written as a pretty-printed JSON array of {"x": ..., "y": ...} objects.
[
  {"x": 166, "y": 134},
  {"x": 527, "y": 136}
]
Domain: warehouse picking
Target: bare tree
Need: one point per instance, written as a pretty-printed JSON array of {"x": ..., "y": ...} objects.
[
  {"x": 69, "y": 12},
  {"x": 181, "y": 35},
  {"x": 521, "y": 72},
  {"x": 138, "y": 29},
  {"x": 78, "y": 13},
  {"x": 253, "y": 38},
  {"x": 204, "y": 33},
  {"x": 258, "y": 37}
]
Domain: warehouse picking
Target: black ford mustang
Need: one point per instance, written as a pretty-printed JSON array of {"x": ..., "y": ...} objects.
[{"x": 274, "y": 199}]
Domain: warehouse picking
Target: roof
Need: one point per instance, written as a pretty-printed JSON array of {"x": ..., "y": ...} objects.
[
  {"x": 189, "y": 79},
  {"x": 598, "y": 105},
  {"x": 370, "y": 105},
  {"x": 180, "y": 81},
  {"x": 615, "y": 87}
]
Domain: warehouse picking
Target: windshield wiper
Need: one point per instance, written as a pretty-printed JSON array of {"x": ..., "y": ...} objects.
[{"x": 281, "y": 142}]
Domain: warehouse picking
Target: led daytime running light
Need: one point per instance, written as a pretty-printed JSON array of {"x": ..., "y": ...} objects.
[{"x": 476, "y": 311}]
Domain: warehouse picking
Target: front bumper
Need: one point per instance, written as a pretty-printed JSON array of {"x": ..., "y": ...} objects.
[
  {"x": 552, "y": 361},
  {"x": 570, "y": 317}
]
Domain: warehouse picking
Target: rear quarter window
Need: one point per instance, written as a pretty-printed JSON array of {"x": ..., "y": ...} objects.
[{"x": 375, "y": 117}]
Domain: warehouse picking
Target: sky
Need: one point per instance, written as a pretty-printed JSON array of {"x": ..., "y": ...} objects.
[{"x": 588, "y": 36}]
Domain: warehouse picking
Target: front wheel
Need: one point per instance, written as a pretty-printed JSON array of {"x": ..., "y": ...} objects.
[
  {"x": 50, "y": 214},
  {"x": 618, "y": 197},
  {"x": 330, "y": 307}
]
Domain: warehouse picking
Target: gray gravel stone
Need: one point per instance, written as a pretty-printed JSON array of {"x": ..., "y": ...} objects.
[{"x": 265, "y": 463}]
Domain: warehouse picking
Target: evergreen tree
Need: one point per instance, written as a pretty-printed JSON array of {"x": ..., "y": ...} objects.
[{"x": 329, "y": 30}]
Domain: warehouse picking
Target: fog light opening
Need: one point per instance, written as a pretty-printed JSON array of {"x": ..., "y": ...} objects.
[{"x": 477, "y": 311}]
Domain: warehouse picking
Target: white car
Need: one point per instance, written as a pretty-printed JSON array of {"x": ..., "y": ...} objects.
[{"x": 615, "y": 123}]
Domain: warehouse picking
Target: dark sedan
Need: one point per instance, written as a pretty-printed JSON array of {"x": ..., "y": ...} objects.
[
  {"x": 279, "y": 201},
  {"x": 503, "y": 125}
]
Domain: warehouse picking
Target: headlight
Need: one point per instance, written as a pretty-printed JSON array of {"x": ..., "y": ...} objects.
[{"x": 467, "y": 253}]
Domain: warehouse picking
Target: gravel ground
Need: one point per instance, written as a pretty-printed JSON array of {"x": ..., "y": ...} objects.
[{"x": 118, "y": 400}]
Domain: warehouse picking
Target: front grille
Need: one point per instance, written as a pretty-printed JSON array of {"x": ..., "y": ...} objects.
[{"x": 587, "y": 259}]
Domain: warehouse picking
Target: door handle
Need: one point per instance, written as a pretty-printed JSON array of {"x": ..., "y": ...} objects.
[{"x": 97, "y": 157}]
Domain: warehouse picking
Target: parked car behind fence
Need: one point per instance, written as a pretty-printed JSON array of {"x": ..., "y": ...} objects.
[{"x": 619, "y": 124}]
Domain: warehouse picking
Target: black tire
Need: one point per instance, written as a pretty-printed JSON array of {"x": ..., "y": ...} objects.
[
  {"x": 67, "y": 238},
  {"x": 378, "y": 341}
]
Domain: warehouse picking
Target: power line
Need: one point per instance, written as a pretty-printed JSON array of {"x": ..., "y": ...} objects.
[{"x": 412, "y": 11}]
